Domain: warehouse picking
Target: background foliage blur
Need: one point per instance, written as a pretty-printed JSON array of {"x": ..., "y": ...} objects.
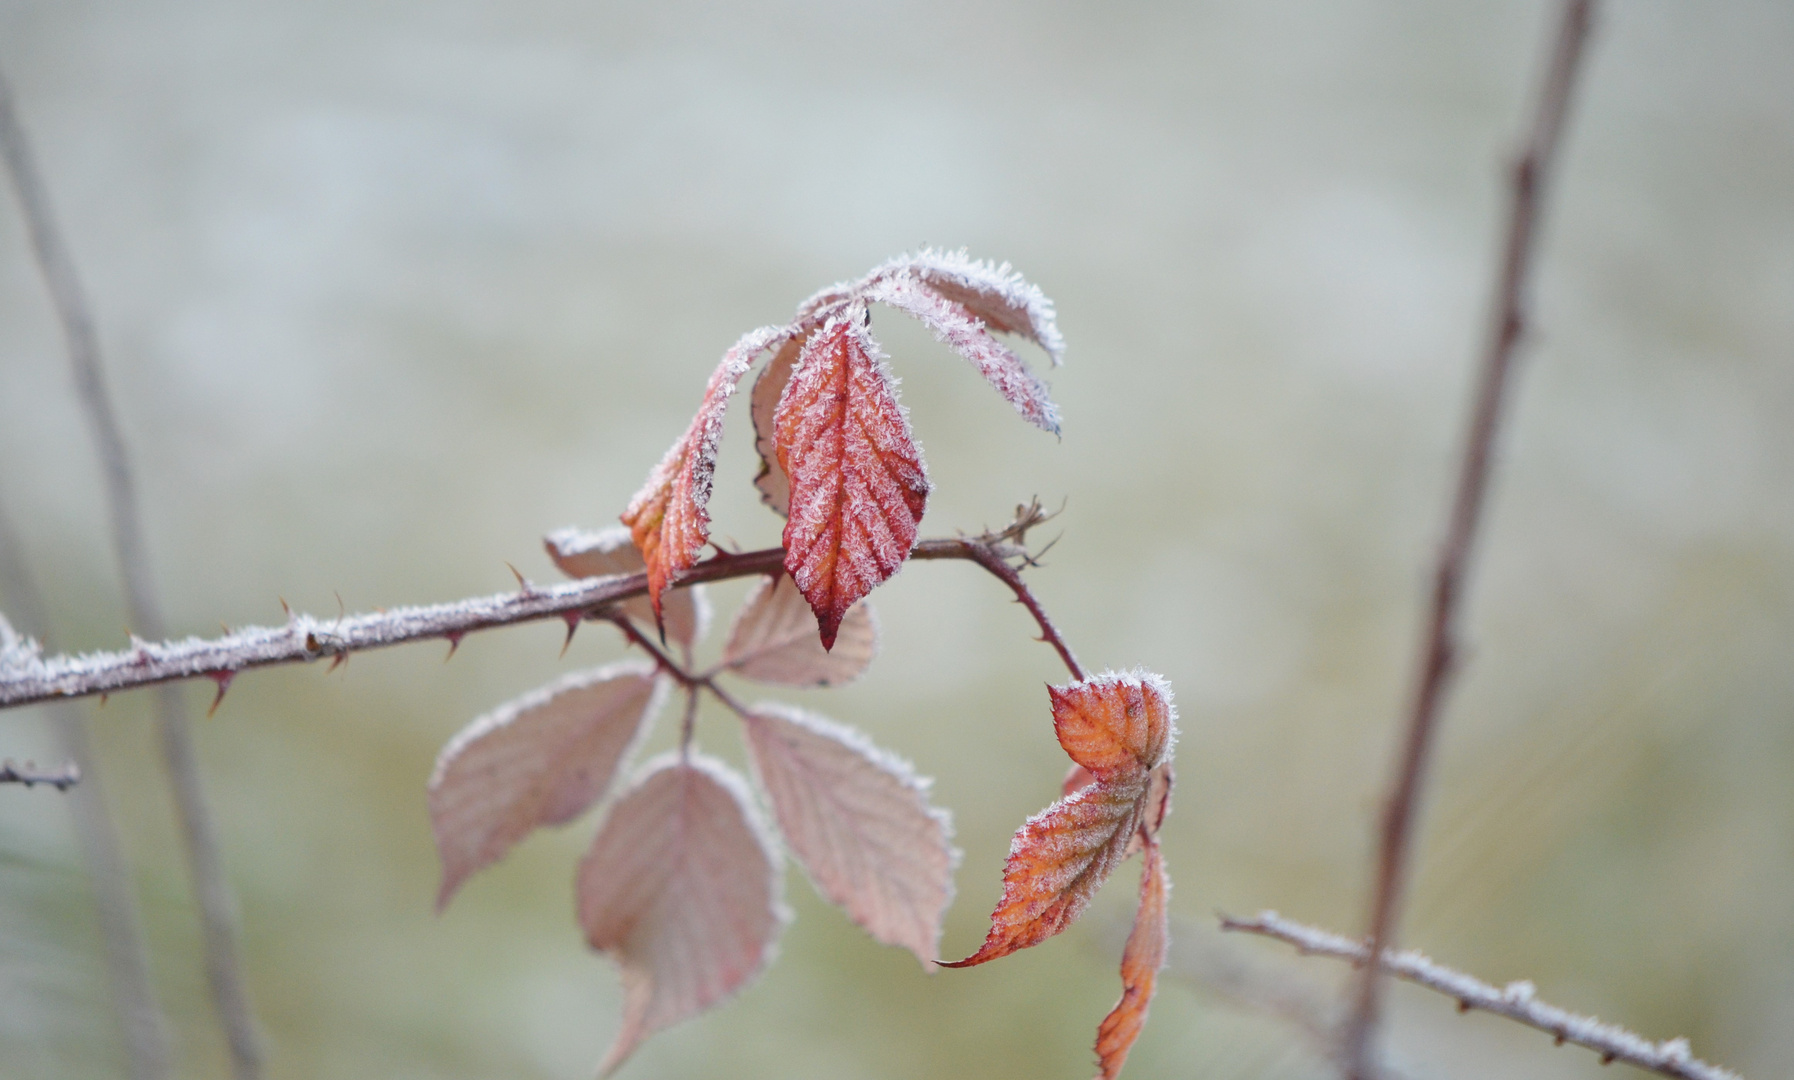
[{"x": 389, "y": 290}]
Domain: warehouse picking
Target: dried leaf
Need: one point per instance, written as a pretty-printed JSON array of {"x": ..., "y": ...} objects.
[
  {"x": 1140, "y": 963},
  {"x": 581, "y": 554},
  {"x": 1057, "y": 862},
  {"x": 774, "y": 640},
  {"x": 858, "y": 820},
  {"x": 774, "y": 485},
  {"x": 960, "y": 330},
  {"x": 858, "y": 487},
  {"x": 996, "y": 295},
  {"x": 1115, "y": 724},
  {"x": 667, "y": 517},
  {"x": 680, "y": 887},
  {"x": 541, "y": 759}
]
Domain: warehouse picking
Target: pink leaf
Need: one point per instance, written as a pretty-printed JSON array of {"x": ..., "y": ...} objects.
[
  {"x": 581, "y": 554},
  {"x": 997, "y": 295},
  {"x": 681, "y": 888},
  {"x": 960, "y": 330},
  {"x": 667, "y": 517},
  {"x": 774, "y": 485},
  {"x": 774, "y": 640},
  {"x": 539, "y": 760},
  {"x": 858, "y": 820},
  {"x": 857, "y": 483}
]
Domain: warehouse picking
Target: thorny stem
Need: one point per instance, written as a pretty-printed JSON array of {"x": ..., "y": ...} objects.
[
  {"x": 216, "y": 915},
  {"x": 1515, "y": 1001},
  {"x": 29, "y": 679},
  {"x": 1439, "y": 649}
]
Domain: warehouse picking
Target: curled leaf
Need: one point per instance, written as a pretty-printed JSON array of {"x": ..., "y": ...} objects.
[
  {"x": 773, "y": 484},
  {"x": 1141, "y": 960},
  {"x": 541, "y": 759},
  {"x": 1115, "y": 724},
  {"x": 581, "y": 554},
  {"x": 962, "y": 331},
  {"x": 681, "y": 889},
  {"x": 995, "y": 294},
  {"x": 858, "y": 820},
  {"x": 667, "y": 517},
  {"x": 774, "y": 640},
  {"x": 858, "y": 487}
]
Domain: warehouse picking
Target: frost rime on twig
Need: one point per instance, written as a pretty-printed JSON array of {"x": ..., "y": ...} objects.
[{"x": 1515, "y": 1001}]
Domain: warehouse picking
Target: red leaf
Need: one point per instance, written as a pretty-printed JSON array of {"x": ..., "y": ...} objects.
[
  {"x": 680, "y": 887},
  {"x": 667, "y": 516},
  {"x": 539, "y": 760},
  {"x": 774, "y": 485},
  {"x": 1115, "y": 725},
  {"x": 581, "y": 554},
  {"x": 1140, "y": 963},
  {"x": 774, "y": 640},
  {"x": 858, "y": 820},
  {"x": 857, "y": 482},
  {"x": 1057, "y": 862},
  {"x": 960, "y": 330}
]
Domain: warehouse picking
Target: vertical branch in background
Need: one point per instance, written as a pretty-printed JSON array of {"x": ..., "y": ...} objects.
[
  {"x": 115, "y": 902},
  {"x": 217, "y": 918},
  {"x": 1438, "y": 652}
]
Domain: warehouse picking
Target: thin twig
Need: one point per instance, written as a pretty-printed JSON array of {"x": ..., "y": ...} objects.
[
  {"x": 30, "y": 775},
  {"x": 26, "y": 677},
  {"x": 197, "y": 827},
  {"x": 143, "y": 1027},
  {"x": 1515, "y": 1001},
  {"x": 995, "y": 560},
  {"x": 1439, "y": 649}
]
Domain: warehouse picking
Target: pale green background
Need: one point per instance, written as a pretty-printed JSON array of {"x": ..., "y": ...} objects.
[{"x": 388, "y": 290}]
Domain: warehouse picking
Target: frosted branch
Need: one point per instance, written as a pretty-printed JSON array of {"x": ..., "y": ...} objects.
[
  {"x": 28, "y": 677},
  {"x": 1515, "y": 1001}
]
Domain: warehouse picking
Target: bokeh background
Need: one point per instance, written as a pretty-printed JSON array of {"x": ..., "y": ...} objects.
[{"x": 389, "y": 290}]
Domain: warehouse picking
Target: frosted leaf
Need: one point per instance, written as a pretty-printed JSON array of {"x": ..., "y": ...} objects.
[
  {"x": 581, "y": 554},
  {"x": 774, "y": 485},
  {"x": 774, "y": 640},
  {"x": 667, "y": 517},
  {"x": 858, "y": 486},
  {"x": 681, "y": 889},
  {"x": 541, "y": 759},
  {"x": 996, "y": 294},
  {"x": 1114, "y": 723},
  {"x": 859, "y": 821},
  {"x": 1147, "y": 945},
  {"x": 960, "y": 330}
]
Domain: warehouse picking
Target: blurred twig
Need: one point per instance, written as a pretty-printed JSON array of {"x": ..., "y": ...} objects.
[
  {"x": 1439, "y": 649},
  {"x": 121, "y": 934},
  {"x": 30, "y": 775},
  {"x": 1514, "y": 1001},
  {"x": 197, "y": 827}
]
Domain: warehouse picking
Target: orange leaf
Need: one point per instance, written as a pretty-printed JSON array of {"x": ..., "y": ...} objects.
[
  {"x": 1115, "y": 725},
  {"x": 667, "y": 516},
  {"x": 1140, "y": 964},
  {"x": 857, "y": 482},
  {"x": 1057, "y": 862}
]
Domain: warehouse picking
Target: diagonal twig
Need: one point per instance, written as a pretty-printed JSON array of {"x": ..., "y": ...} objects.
[
  {"x": 199, "y": 831},
  {"x": 1439, "y": 649},
  {"x": 1515, "y": 1001}
]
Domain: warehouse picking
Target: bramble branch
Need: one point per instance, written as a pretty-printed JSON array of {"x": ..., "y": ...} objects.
[
  {"x": 31, "y": 776},
  {"x": 27, "y": 678},
  {"x": 1514, "y": 1001},
  {"x": 1438, "y": 652}
]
